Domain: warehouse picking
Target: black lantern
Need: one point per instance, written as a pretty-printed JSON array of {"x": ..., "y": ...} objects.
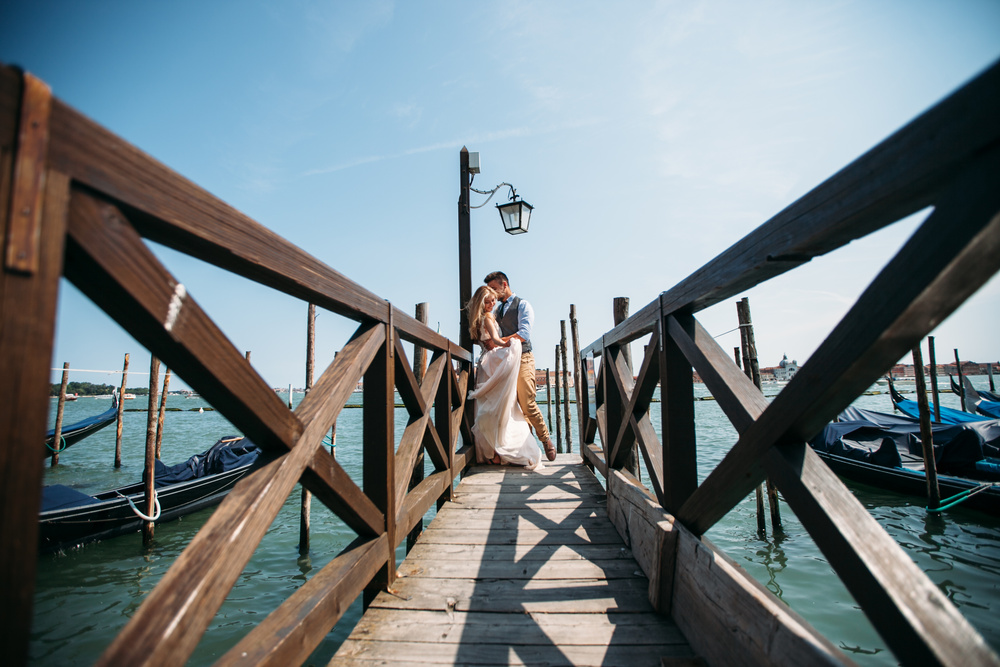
[{"x": 515, "y": 215}]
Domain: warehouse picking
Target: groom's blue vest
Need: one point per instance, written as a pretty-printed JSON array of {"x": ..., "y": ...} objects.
[{"x": 508, "y": 323}]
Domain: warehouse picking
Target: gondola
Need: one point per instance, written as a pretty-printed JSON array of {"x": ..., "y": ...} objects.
[
  {"x": 977, "y": 400},
  {"x": 885, "y": 451},
  {"x": 948, "y": 415},
  {"x": 71, "y": 518},
  {"x": 81, "y": 429}
]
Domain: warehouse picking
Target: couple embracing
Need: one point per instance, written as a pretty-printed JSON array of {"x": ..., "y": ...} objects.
[{"x": 505, "y": 379}]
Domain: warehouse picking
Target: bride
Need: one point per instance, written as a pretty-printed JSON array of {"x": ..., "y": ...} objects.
[{"x": 501, "y": 432}]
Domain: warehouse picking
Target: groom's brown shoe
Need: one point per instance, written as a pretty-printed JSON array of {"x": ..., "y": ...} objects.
[{"x": 550, "y": 450}]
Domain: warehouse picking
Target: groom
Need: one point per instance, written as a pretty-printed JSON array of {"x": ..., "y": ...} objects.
[{"x": 515, "y": 317}]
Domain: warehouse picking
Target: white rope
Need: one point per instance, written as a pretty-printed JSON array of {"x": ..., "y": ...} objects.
[{"x": 156, "y": 507}]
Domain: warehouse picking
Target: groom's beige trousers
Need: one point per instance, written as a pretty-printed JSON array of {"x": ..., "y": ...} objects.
[{"x": 526, "y": 389}]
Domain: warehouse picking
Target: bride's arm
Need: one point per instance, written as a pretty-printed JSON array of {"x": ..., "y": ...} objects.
[{"x": 494, "y": 333}]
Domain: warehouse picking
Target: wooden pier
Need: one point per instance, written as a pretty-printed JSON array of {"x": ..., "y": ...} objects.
[{"x": 519, "y": 568}]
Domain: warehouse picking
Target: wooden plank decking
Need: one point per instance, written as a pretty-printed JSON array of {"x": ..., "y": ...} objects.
[{"x": 522, "y": 568}]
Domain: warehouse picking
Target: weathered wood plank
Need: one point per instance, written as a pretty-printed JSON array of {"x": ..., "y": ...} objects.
[
  {"x": 27, "y": 331},
  {"x": 418, "y": 501},
  {"x": 680, "y": 457},
  {"x": 533, "y": 628},
  {"x": 649, "y": 531},
  {"x": 570, "y": 569},
  {"x": 22, "y": 243},
  {"x": 592, "y": 596},
  {"x": 731, "y": 619},
  {"x": 542, "y": 578},
  {"x": 367, "y": 653},
  {"x": 524, "y": 536},
  {"x": 517, "y": 551}
]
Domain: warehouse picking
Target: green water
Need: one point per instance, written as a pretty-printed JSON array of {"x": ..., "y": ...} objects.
[{"x": 85, "y": 596}]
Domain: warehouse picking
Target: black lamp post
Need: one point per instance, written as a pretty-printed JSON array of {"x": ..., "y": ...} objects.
[{"x": 515, "y": 215}]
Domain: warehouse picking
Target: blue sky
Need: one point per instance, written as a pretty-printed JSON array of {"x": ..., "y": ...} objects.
[{"x": 650, "y": 136}]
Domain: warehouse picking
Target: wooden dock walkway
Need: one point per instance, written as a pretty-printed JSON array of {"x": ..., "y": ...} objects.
[{"x": 522, "y": 568}]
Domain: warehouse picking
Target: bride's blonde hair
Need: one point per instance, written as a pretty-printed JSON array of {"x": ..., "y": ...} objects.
[{"x": 477, "y": 311}]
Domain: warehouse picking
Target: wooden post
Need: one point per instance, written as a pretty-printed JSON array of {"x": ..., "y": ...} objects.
[
  {"x": 620, "y": 311},
  {"x": 989, "y": 370},
  {"x": 736, "y": 357},
  {"x": 163, "y": 409},
  {"x": 464, "y": 249},
  {"x": 154, "y": 383},
  {"x": 926, "y": 435},
  {"x": 558, "y": 422},
  {"x": 305, "y": 507},
  {"x": 419, "y": 371},
  {"x": 575, "y": 334},
  {"x": 548, "y": 397},
  {"x": 565, "y": 384},
  {"x": 744, "y": 352},
  {"x": 746, "y": 327},
  {"x": 934, "y": 383},
  {"x": 379, "y": 453},
  {"x": 121, "y": 414},
  {"x": 961, "y": 383},
  {"x": 60, "y": 406}
]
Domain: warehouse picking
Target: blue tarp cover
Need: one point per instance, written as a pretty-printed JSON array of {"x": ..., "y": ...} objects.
[{"x": 894, "y": 441}]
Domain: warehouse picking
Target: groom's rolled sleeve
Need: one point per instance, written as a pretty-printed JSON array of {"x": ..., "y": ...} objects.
[{"x": 525, "y": 318}]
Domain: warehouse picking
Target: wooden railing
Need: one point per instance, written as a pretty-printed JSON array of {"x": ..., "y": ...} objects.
[
  {"x": 78, "y": 201},
  {"x": 948, "y": 159}
]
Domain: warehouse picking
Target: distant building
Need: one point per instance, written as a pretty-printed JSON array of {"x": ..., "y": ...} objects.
[{"x": 786, "y": 369}]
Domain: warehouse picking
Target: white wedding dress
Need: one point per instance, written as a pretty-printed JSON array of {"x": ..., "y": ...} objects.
[{"x": 500, "y": 426}]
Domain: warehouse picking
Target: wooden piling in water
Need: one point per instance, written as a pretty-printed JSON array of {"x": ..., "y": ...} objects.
[
  {"x": 926, "y": 435},
  {"x": 548, "y": 397},
  {"x": 565, "y": 385},
  {"x": 747, "y": 336},
  {"x": 60, "y": 406},
  {"x": 575, "y": 335},
  {"x": 150, "y": 467},
  {"x": 934, "y": 383},
  {"x": 121, "y": 414},
  {"x": 163, "y": 409},
  {"x": 419, "y": 371},
  {"x": 305, "y": 506},
  {"x": 961, "y": 384},
  {"x": 559, "y": 446}
]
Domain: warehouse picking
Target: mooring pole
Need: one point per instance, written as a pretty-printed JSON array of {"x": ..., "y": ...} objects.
[
  {"x": 565, "y": 383},
  {"x": 926, "y": 435},
  {"x": 559, "y": 446},
  {"x": 305, "y": 506},
  {"x": 934, "y": 383},
  {"x": 419, "y": 371},
  {"x": 163, "y": 409},
  {"x": 548, "y": 397},
  {"x": 150, "y": 467},
  {"x": 60, "y": 406},
  {"x": 121, "y": 414},
  {"x": 961, "y": 384},
  {"x": 753, "y": 365},
  {"x": 577, "y": 388}
]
